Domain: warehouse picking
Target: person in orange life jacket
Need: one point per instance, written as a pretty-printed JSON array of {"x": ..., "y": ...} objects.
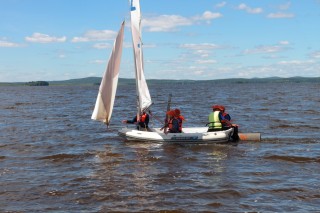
[
  {"x": 173, "y": 124},
  {"x": 143, "y": 121},
  {"x": 178, "y": 115},
  {"x": 216, "y": 120},
  {"x": 180, "y": 118}
]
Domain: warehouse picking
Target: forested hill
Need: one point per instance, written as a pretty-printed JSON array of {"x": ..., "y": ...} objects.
[{"x": 126, "y": 81}]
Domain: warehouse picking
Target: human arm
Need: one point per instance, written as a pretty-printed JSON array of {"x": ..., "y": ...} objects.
[
  {"x": 147, "y": 120},
  {"x": 225, "y": 120},
  {"x": 228, "y": 117},
  {"x": 133, "y": 121}
]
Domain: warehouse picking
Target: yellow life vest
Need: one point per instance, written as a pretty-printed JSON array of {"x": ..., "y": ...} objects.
[{"x": 214, "y": 121}]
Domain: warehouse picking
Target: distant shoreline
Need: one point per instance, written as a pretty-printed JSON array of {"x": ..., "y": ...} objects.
[{"x": 127, "y": 81}]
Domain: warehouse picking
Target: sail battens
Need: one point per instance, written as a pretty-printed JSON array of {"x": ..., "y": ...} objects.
[{"x": 107, "y": 90}]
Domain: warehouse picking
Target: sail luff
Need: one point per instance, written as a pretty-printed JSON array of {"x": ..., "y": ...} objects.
[
  {"x": 144, "y": 98},
  {"x": 108, "y": 87}
]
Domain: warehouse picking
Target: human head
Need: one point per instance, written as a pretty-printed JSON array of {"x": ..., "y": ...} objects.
[
  {"x": 218, "y": 108},
  {"x": 142, "y": 113},
  {"x": 222, "y": 108},
  {"x": 177, "y": 112},
  {"x": 171, "y": 113}
]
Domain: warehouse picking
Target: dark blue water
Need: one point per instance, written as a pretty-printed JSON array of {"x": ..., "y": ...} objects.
[{"x": 54, "y": 158}]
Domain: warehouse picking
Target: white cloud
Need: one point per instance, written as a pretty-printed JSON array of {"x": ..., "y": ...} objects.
[
  {"x": 96, "y": 35},
  {"x": 203, "y": 53},
  {"x": 165, "y": 23},
  {"x": 296, "y": 62},
  {"x": 285, "y": 6},
  {"x": 210, "y": 61},
  {"x": 202, "y": 46},
  {"x": 221, "y": 4},
  {"x": 207, "y": 16},
  {"x": 43, "y": 38},
  {"x": 102, "y": 46},
  {"x": 280, "y": 15},
  {"x": 98, "y": 62},
  {"x": 248, "y": 9},
  {"x": 284, "y": 42},
  {"x": 316, "y": 55},
  {"x": 170, "y": 23},
  {"x": 283, "y": 45},
  {"x": 79, "y": 39},
  {"x": 281, "y": 69},
  {"x": 263, "y": 49},
  {"x": 5, "y": 43},
  {"x": 200, "y": 53},
  {"x": 147, "y": 45},
  {"x": 125, "y": 45}
]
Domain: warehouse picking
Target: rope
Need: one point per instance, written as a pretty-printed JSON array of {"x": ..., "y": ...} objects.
[{"x": 155, "y": 117}]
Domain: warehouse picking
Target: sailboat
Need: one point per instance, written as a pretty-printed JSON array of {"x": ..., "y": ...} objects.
[{"x": 107, "y": 91}]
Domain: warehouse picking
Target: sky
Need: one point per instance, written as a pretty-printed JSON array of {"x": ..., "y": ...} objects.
[{"x": 182, "y": 39}]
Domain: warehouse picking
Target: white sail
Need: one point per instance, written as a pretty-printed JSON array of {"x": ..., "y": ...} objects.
[
  {"x": 108, "y": 87},
  {"x": 144, "y": 98}
]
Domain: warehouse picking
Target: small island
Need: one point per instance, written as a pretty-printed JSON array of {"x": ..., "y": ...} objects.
[{"x": 37, "y": 83}]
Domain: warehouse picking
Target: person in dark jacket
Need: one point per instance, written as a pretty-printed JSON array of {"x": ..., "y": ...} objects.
[
  {"x": 143, "y": 121},
  {"x": 228, "y": 124}
]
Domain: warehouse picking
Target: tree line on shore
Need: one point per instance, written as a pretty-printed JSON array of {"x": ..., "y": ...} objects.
[
  {"x": 126, "y": 81},
  {"x": 37, "y": 83}
]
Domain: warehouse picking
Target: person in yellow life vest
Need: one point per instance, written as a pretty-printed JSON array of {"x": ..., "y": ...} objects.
[
  {"x": 216, "y": 120},
  {"x": 143, "y": 121},
  {"x": 220, "y": 120},
  {"x": 173, "y": 123}
]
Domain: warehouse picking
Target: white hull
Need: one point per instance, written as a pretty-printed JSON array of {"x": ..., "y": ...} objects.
[{"x": 198, "y": 135}]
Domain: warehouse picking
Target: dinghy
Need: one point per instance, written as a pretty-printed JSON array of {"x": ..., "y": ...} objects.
[
  {"x": 198, "y": 135},
  {"x": 107, "y": 91}
]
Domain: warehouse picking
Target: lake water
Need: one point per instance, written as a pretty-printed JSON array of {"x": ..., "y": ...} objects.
[{"x": 54, "y": 158}]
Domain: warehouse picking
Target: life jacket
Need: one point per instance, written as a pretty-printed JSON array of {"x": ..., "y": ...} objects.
[
  {"x": 170, "y": 125},
  {"x": 226, "y": 122},
  {"x": 214, "y": 121},
  {"x": 180, "y": 119},
  {"x": 226, "y": 116},
  {"x": 143, "y": 118}
]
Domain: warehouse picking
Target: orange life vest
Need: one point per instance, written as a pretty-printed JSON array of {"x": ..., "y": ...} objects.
[{"x": 143, "y": 117}]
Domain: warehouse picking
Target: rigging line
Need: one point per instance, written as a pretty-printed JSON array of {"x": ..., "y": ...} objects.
[
  {"x": 156, "y": 118},
  {"x": 148, "y": 108}
]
